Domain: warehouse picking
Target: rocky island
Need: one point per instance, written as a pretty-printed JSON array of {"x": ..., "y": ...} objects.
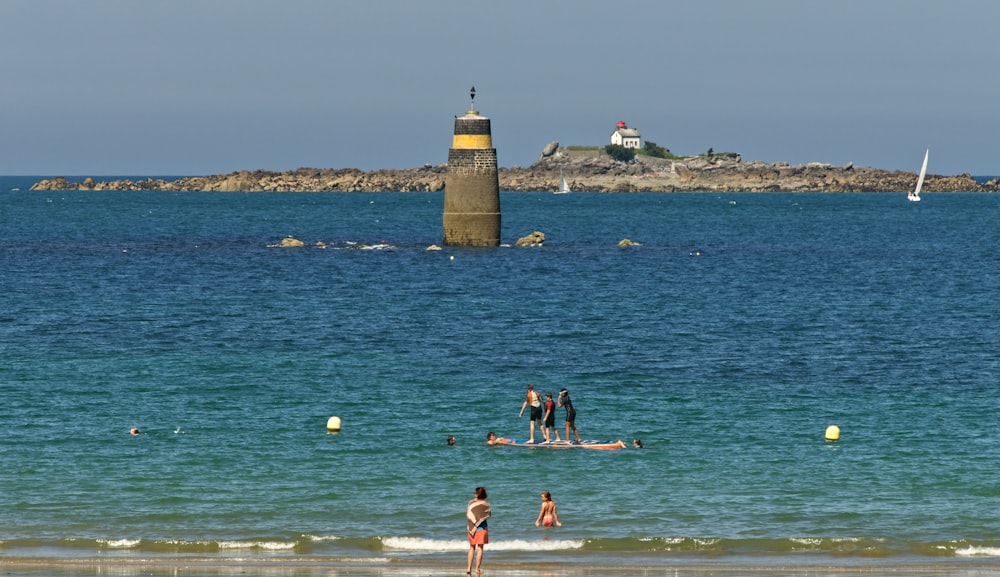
[{"x": 590, "y": 169}]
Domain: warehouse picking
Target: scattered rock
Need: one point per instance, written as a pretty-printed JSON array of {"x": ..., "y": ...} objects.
[
  {"x": 288, "y": 242},
  {"x": 534, "y": 239}
]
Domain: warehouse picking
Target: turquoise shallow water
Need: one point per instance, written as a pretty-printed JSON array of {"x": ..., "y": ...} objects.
[{"x": 728, "y": 341}]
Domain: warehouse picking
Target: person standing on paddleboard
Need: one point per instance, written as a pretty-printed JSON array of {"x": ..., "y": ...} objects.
[
  {"x": 564, "y": 401},
  {"x": 549, "y": 421},
  {"x": 535, "y": 400}
]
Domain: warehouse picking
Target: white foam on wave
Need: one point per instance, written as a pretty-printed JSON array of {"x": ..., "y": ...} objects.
[
  {"x": 265, "y": 545},
  {"x": 667, "y": 540},
  {"x": 815, "y": 541},
  {"x": 322, "y": 538},
  {"x": 120, "y": 543},
  {"x": 698, "y": 541},
  {"x": 972, "y": 551},
  {"x": 546, "y": 545},
  {"x": 420, "y": 544}
]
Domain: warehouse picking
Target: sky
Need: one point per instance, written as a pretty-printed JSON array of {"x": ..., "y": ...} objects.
[{"x": 198, "y": 87}]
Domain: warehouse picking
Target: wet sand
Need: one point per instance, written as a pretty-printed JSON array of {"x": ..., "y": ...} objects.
[{"x": 97, "y": 567}]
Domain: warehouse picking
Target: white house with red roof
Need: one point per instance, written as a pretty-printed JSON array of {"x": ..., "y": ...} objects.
[{"x": 625, "y": 136}]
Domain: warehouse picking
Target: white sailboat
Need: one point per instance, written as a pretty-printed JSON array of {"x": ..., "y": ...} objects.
[
  {"x": 563, "y": 186},
  {"x": 915, "y": 195}
]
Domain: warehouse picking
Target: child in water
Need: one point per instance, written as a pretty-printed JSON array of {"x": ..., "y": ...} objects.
[{"x": 548, "y": 516}]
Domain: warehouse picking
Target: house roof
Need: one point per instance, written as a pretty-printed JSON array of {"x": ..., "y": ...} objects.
[{"x": 627, "y": 132}]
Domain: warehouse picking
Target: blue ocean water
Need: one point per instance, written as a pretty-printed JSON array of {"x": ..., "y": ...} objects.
[{"x": 740, "y": 328}]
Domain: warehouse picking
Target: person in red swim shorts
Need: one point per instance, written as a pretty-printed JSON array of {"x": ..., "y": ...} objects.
[{"x": 476, "y": 515}]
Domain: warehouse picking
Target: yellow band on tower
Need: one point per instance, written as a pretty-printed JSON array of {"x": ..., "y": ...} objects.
[{"x": 472, "y": 141}]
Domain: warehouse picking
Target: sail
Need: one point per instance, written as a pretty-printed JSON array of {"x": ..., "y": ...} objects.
[
  {"x": 923, "y": 173},
  {"x": 563, "y": 186}
]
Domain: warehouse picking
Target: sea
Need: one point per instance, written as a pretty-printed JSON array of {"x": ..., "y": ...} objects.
[{"x": 733, "y": 333}]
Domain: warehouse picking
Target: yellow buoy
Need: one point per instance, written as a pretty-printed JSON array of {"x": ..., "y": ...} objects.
[
  {"x": 833, "y": 433},
  {"x": 333, "y": 424}
]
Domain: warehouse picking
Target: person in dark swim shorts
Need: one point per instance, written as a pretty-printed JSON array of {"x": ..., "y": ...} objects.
[
  {"x": 564, "y": 401},
  {"x": 535, "y": 400},
  {"x": 549, "y": 423}
]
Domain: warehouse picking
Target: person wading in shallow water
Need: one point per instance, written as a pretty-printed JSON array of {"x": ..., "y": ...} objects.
[
  {"x": 548, "y": 516},
  {"x": 476, "y": 514}
]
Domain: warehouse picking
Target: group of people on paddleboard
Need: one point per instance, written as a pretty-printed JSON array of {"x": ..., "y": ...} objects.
[{"x": 545, "y": 413}]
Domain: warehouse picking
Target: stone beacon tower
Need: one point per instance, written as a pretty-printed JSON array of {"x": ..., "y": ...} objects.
[{"x": 472, "y": 186}]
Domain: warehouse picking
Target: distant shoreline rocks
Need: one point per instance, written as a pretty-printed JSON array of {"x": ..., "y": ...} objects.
[{"x": 585, "y": 170}]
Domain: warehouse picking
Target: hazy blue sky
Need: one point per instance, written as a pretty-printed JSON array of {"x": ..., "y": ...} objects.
[{"x": 188, "y": 87}]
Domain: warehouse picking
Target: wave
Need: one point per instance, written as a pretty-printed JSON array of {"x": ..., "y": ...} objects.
[
  {"x": 842, "y": 547},
  {"x": 860, "y": 547},
  {"x": 119, "y": 543},
  {"x": 974, "y": 551},
  {"x": 664, "y": 549},
  {"x": 163, "y": 546},
  {"x": 253, "y": 545},
  {"x": 438, "y": 545}
]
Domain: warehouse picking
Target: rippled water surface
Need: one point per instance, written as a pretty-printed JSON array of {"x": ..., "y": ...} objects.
[{"x": 740, "y": 328}]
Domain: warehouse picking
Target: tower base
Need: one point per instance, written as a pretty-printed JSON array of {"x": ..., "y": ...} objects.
[{"x": 472, "y": 229}]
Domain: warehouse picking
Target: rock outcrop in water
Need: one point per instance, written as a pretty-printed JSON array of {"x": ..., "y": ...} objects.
[
  {"x": 586, "y": 170},
  {"x": 536, "y": 238}
]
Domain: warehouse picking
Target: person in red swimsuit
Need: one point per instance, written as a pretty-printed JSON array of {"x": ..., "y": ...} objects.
[{"x": 548, "y": 516}]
